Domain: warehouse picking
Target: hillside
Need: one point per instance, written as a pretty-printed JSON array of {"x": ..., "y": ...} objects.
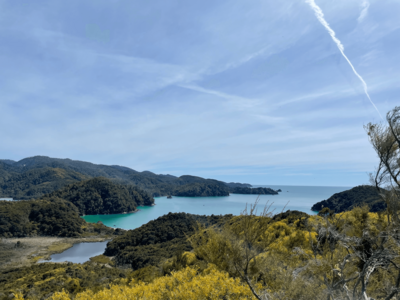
[
  {"x": 158, "y": 240},
  {"x": 102, "y": 196},
  {"x": 35, "y": 182},
  {"x": 347, "y": 200},
  {"x": 50, "y": 217},
  {"x": 33, "y": 177},
  {"x": 253, "y": 191}
]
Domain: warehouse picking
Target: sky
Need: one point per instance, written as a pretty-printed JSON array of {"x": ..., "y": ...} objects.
[{"x": 244, "y": 91}]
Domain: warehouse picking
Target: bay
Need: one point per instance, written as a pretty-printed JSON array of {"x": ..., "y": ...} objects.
[{"x": 291, "y": 198}]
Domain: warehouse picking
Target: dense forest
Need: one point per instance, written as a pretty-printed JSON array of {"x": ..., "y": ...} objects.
[
  {"x": 47, "y": 217},
  {"x": 34, "y": 183},
  {"x": 102, "y": 196},
  {"x": 35, "y": 176},
  {"x": 53, "y": 217},
  {"x": 205, "y": 189},
  {"x": 253, "y": 191},
  {"x": 357, "y": 196},
  {"x": 159, "y": 239}
]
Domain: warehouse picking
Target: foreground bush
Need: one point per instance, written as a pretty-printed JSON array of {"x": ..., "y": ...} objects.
[{"x": 184, "y": 284}]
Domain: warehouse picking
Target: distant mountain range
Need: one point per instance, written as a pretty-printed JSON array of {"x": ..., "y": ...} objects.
[{"x": 33, "y": 177}]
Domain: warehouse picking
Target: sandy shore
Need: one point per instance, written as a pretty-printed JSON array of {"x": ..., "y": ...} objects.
[{"x": 31, "y": 249}]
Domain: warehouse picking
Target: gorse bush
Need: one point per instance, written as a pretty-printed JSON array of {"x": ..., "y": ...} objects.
[
  {"x": 288, "y": 256},
  {"x": 182, "y": 285}
]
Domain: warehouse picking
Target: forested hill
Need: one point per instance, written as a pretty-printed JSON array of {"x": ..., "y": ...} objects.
[
  {"x": 253, "y": 191},
  {"x": 102, "y": 196},
  {"x": 347, "y": 200},
  {"x": 159, "y": 239},
  {"x": 35, "y": 176},
  {"x": 33, "y": 183},
  {"x": 52, "y": 217},
  {"x": 48, "y": 217}
]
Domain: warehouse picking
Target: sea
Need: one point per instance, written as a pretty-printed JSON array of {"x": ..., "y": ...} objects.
[{"x": 300, "y": 198}]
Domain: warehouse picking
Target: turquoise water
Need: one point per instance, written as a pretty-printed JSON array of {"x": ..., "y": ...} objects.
[{"x": 294, "y": 197}]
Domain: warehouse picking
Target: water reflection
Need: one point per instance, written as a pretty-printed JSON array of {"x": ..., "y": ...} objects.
[{"x": 79, "y": 253}]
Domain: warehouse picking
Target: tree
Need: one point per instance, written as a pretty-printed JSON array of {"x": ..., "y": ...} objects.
[{"x": 385, "y": 139}]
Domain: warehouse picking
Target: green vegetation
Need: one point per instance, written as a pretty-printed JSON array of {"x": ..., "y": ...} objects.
[
  {"x": 52, "y": 217},
  {"x": 42, "y": 280},
  {"x": 36, "y": 176},
  {"x": 47, "y": 217},
  {"x": 33, "y": 183},
  {"x": 102, "y": 196},
  {"x": 253, "y": 191},
  {"x": 357, "y": 196},
  {"x": 158, "y": 240},
  {"x": 210, "y": 188}
]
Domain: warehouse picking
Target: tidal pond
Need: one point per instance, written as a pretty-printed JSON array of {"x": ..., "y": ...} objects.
[{"x": 79, "y": 253}]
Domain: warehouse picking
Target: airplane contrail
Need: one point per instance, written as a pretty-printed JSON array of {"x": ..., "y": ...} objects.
[{"x": 320, "y": 16}]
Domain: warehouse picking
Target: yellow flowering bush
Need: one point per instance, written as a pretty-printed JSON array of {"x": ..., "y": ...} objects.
[{"x": 184, "y": 284}]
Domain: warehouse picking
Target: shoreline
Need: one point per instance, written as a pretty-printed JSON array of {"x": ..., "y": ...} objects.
[{"x": 30, "y": 250}]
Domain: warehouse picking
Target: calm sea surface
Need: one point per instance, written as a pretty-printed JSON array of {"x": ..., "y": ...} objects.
[
  {"x": 294, "y": 197},
  {"x": 79, "y": 253}
]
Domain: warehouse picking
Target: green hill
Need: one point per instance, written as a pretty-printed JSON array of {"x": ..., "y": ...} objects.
[
  {"x": 158, "y": 240},
  {"x": 253, "y": 191},
  {"x": 102, "y": 196},
  {"x": 33, "y": 183},
  {"x": 347, "y": 200},
  {"x": 33, "y": 177},
  {"x": 50, "y": 217}
]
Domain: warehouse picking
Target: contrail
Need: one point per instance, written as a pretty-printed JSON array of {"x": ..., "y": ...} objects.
[
  {"x": 364, "y": 12},
  {"x": 320, "y": 16}
]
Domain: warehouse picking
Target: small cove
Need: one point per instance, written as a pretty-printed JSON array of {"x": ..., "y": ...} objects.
[{"x": 79, "y": 253}]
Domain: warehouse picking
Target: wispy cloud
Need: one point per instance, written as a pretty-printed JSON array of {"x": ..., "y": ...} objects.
[
  {"x": 364, "y": 12},
  {"x": 189, "y": 89},
  {"x": 235, "y": 101}
]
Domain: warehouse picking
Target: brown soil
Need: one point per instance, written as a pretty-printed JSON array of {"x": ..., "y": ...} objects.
[{"x": 29, "y": 250}]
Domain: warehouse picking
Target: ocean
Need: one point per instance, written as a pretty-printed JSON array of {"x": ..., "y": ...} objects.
[{"x": 291, "y": 198}]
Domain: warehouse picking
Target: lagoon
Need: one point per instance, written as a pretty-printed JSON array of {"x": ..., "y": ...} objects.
[
  {"x": 293, "y": 197},
  {"x": 79, "y": 253}
]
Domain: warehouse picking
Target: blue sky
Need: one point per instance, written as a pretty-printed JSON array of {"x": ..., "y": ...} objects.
[{"x": 248, "y": 91}]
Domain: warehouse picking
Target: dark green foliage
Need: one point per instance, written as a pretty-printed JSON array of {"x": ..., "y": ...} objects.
[
  {"x": 290, "y": 215},
  {"x": 151, "y": 255},
  {"x": 158, "y": 240},
  {"x": 357, "y": 196},
  {"x": 54, "y": 217},
  {"x": 253, "y": 191},
  {"x": 203, "y": 189},
  {"x": 237, "y": 184},
  {"x": 35, "y": 176},
  {"x": 33, "y": 183},
  {"x": 50, "y": 278},
  {"x": 102, "y": 196}
]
